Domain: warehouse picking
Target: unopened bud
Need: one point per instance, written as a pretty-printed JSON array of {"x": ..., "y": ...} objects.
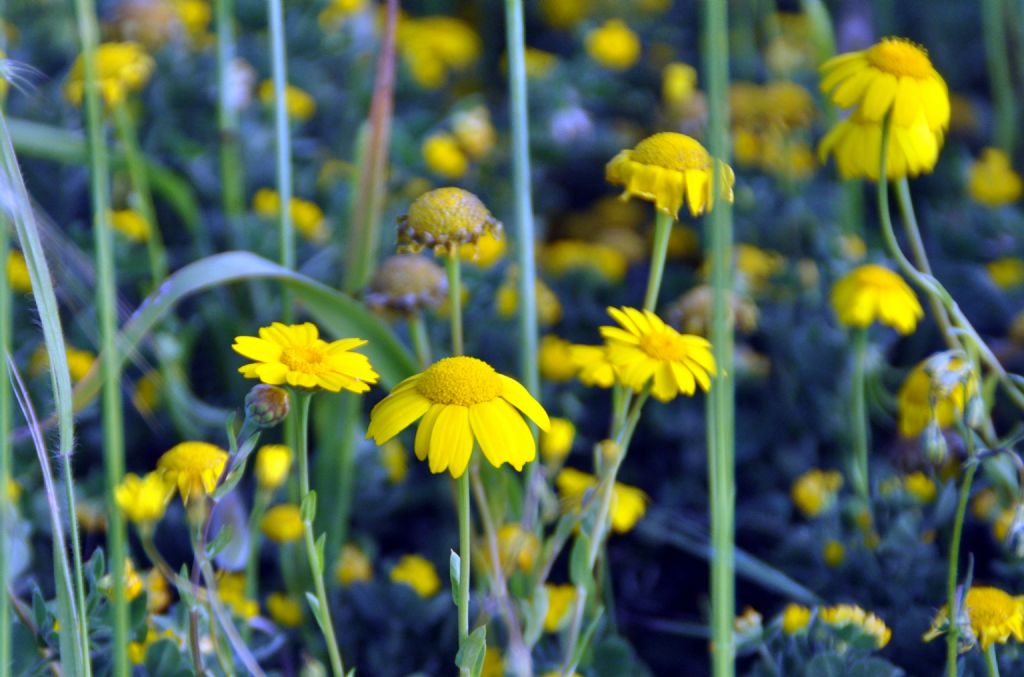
[
  {"x": 266, "y": 406},
  {"x": 975, "y": 413},
  {"x": 935, "y": 447}
]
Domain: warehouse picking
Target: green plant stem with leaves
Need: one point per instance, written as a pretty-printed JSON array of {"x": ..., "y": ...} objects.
[{"x": 859, "y": 425}]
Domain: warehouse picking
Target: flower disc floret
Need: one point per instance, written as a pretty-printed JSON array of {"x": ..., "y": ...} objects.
[
  {"x": 193, "y": 467},
  {"x": 296, "y": 355},
  {"x": 444, "y": 219},
  {"x": 873, "y": 293},
  {"x": 669, "y": 169},
  {"x": 461, "y": 400}
]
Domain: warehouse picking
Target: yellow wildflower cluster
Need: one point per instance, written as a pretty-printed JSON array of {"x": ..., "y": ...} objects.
[{"x": 122, "y": 68}]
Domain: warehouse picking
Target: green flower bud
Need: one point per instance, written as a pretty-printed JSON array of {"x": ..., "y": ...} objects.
[
  {"x": 266, "y": 406},
  {"x": 935, "y": 447}
]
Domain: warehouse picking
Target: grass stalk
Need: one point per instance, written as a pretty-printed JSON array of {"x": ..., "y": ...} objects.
[
  {"x": 993, "y": 15},
  {"x": 662, "y": 231},
  {"x": 721, "y": 403},
  {"x": 465, "y": 544},
  {"x": 6, "y": 299},
  {"x": 231, "y": 172},
  {"x": 859, "y": 473}
]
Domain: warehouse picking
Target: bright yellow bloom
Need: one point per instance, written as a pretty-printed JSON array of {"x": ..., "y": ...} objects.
[
  {"x": 122, "y": 68},
  {"x": 231, "y": 590},
  {"x": 563, "y": 256},
  {"x": 407, "y": 282},
  {"x": 444, "y": 157},
  {"x": 273, "y": 461},
  {"x": 857, "y": 144},
  {"x": 795, "y": 618},
  {"x": 284, "y": 609},
  {"x": 461, "y": 400},
  {"x": 307, "y": 217},
  {"x": 992, "y": 181},
  {"x": 282, "y": 523},
  {"x": 628, "y": 503},
  {"x": 148, "y": 392},
  {"x": 1007, "y": 272},
  {"x": 561, "y": 599},
  {"x": 669, "y": 169},
  {"x": 556, "y": 443},
  {"x": 296, "y": 355},
  {"x": 920, "y": 486},
  {"x": 873, "y": 293},
  {"x": 395, "y": 459},
  {"x": 549, "y": 308},
  {"x": 474, "y": 132},
  {"x": 131, "y": 224},
  {"x": 490, "y": 248},
  {"x": 613, "y": 45},
  {"x": 143, "y": 500},
  {"x": 644, "y": 350},
  {"x": 592, "y": 365},
  {"x": 418, "y": 573},
  {"x": 815, "y": 491},
  {"x": 834, "y": 553},
  {"x": 353, "y": 566},
  {"x": 935, "y": 390},
  {"x": 17, "y": 272},
  {"x": 298, "y": 102},
  {"x": 443, "y": 219},
  {"x": 994, "y": 615},
  {"x": 678, "y": 83},
  {"x": 193, "y": 467},
  {"x": 844, "y": 615}
]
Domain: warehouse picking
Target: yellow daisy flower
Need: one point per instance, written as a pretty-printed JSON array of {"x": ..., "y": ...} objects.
[
  {"x": 284, "y": 609},
  {"x": 937, "y": 389},
  {"x": 444, "y": 219},
  {"x": 857, "y": 144},
  {"x": 418, "y": 573},
  {"x": 613, "y": 45},
  {"x": 815, "y": 490},
  {"x": 296, "y": 355},
  {"x": 644, "y": 350},
  {"x": 122, "y": 67},
  {"x": 194, "y": 467},
  {"x": 461, "y": 400},
  {"x": 992, "y": 181},
  {"x": 872, "y": 293},
  {"x": 273, "y": 461},
  {"x": 844, "y": 615},
  {"x": 592, "y": 365},
  {"x": 668, "y": 169},
  {"x": 995, "y": 616},
  {"x": 629, "y": 504},
  {"x": 795, "y": 618},
  {"x": 282, "y": 523},
  {"x": 143, "y": 500}
]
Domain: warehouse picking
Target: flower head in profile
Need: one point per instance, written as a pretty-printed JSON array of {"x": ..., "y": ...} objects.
[
  {"x": 646, "y": 351},
  {"x": 405, "y": 283},
  {"x": 462, "y": 401},
  {"x": 122, "y": 68},
  {"x": 418, "y": 573},
  {"x": 856, "y": 143},
  {"x": 629, "y": 504},
  {"x": 873, "y": 293},
  {"x": 992, "y": 180},
  {"x": 992, "y": 617},
  {"x": 669, "y": 169},
  {"x": 296, "y": 355},
  {"x": 143, "y": 500},
  {"x": 444, "y": 219},
  {"x": 935, "y": 391},
  {"x": 193, "y": 467}
]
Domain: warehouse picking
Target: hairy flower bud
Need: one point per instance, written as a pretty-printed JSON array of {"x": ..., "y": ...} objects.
[{"x": 266, "y": 406}]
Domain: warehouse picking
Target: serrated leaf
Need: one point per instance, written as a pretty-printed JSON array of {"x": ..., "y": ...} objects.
[
  {"x": 308, "y": 508},
  {"x": 454, "y": 573},
  {"x": 472, "y": 650}
]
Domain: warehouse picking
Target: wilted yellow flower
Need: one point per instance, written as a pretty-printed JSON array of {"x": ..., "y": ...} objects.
[
  {"x": 353, "y": 566},
  {"x": 444, "y": 157},
  {"x": 613, "y": 45},
  {"x": 418, "y": 573},
  {"x": 678, "y": 83},
  {"x": 282, "y": 523},
  {"x": 284, "y": 609},
  {"x": 148, "y": 392},
  {"x": 992, "y": 180},
  {"x": 296, "y": 355},
  {"x": 131, "y": 224},
  {"x": 474, "y": 131},
  {"x": 873, "y": 293},
  {"x": 561, "y": 599},
  {"x": 143, "y": 500},
  {"x": 121, "y": 68},
  {"x": 857, "y": 144},
  {"x": 834, "y": 553},
  {"x": 443, "y": 220},
  {"x": 795, "y": 618},
  {"x": 628, "y": 503},
  {"x": 231, "y": 590},
  {"x": 815, "y": 491},
  {"x": 1006, "y": 272},
  {"x": 843, "y": 615},
  {"x": 193, "y": 467},
  {"x": 461, "y": 399},
  {"x": 335, "y": 14},
  {"x": 273, "y": 461},
  {"x": 395, "y": 459},
  {"x": 405, "y": 283},
  {"x": 549, "y": 308},
  {"x": 435, "y": 46},
  {"x": 920, "y": 486},
  {"x": 669, "y": 169},
  {"x": 563, "y": 256},
  {"x": 556, "y": 442},
  {"x": 937, "y": 389},
  {"x": 298, "y": 102},
  {"x": 489, "y": 249},
  {"x": 995, "y": 616},
  {"x": 307, "y": 217}
]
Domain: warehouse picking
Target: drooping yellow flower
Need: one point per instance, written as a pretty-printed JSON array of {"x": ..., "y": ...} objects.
[
  {"x": 122, "y": 68},
  {"x": 815, "y": 491},
  {"x": 992, "y": 181},
  {"x": 564, "y": 256},
  {"x": 873, "y": 293},
  {"x": 405, "y": 283},
  {"x": 1006, "y": 272},
  {"x": 284, "y": 609},
  {"x": 474, "y": 132},
  {"x": 231, "y": 590},
  {"x": 613, "y": 45},
  {"x": 845, "y": 615},
  {"x": 561, "y": 598},
  {"x": 462, "y": 400},
  {"x": 795, "y": 618},
  {"x": 193, "y": 467},
  {"x": 592, "y": 364},
  {"x": 307, "y": 217},
  {"x": 937, "y": 389},
  {"x": 17, "y": 272},
  {"x": 148, "y": 392},
  {"x": 678, "y": 83},
  {"x": 556, "y": 442},
  {"x": 920, "y": 486},
  {"x": 131, "y": 224},
  {"x": 646, "y": 351},
  {"x": 353, "y": 566},
  {"x": 395, "y": 459},
  {"x": 490, "y": 248},
  {"x": 273, "y": 461},
  {"x": 628, "y": 503},
  {"x": 300, "y": 105},
  {"x": 856, "y": 143},
  {"x": 418, "y": 573},
  {"x": 143, "y": 500},
  {"x": 444, "y": 219},
  {"x": 669, "y": 169},
  {"x": 995, "y": 616},
  {"x": 553, "y": 359},
  {"x": 444, "y": 157},
  {"x": 296, "y": 355},
  {"x": 282, "y": 523}
]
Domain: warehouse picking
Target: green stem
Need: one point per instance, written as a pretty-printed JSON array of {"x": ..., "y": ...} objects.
[
  {"x": 252, "y": 560},
  {"x": 997, "y": 58},
  {"x": 231, "y": 176},
  {"x": 462, "y": 489},
  {"x": 106, "y": 303},
  {"x": 859, "y": 474},
  {"x": 139, "y": 178},
  {"x": 420, "y": 338},
  {"x": 721, "y": 401},
  {"x": 954, "y": 559},
  {"x": 662, "y": 232},
  {"x": 323, "y": 615},
  {"x": 282, "y": 146},
  {"x": 6, "y": 506},
  {"x": 455, "y": 300},
  {"x": 991, "y": 662}
]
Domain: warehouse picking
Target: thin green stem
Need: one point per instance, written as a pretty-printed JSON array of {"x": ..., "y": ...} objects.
[
  {"x": 106, "y": 303},
  {"x": 997, "y": 57},
  {"x": 662, "y": 231},
  {"x": 721, "y": 401},
  {"x": 453, "y": 267},
  {"x": 323, "y": 614},
  {"x": 859, "y": 474},
  {"x": 231, "y": 172},
  {"x": 420, "y": 339},
  {"x": 282, "y": 146},
  {"x": 465, "y": 544},
  {"x": 991, "y": 662},
  {"x": 954, "y": 559},
  {"x": 252, "y": 560},
  {"x": 6, "y": 507}
]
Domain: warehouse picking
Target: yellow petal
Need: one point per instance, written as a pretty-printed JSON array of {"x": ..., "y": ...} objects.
[{"x": 521, "y": 399}]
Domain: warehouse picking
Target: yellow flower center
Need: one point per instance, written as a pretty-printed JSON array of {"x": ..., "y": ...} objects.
[
  {"x": 448, "y": 212},
  {"x": 464, "y": 381},
  {"x": 671, "y": 150},
  {"x": 663, "y": 346},
  {"x": 900, "y": 57},
  {"x": 304, "y": 359}
]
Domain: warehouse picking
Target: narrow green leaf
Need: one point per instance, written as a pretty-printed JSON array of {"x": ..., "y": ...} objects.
[
  {"x": 217, "y": 545},
  {"x": 472, "y": 650},
  {"x": 454, "y": 573},
  {"x": 308, "y": 508},
  {"x": 321, "y": 562}
]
